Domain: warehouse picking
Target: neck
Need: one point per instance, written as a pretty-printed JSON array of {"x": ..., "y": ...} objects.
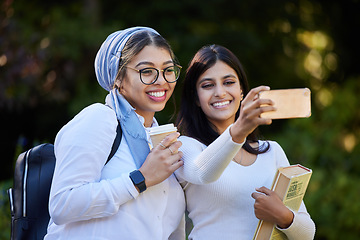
[
  {"x": 148, "y": 118},
  {"x": 221, "y": 125},
  {"x": 148, "y": 123}
]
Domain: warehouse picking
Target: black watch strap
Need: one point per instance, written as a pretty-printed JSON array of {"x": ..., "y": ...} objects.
[{"x": 138, "y": 179}]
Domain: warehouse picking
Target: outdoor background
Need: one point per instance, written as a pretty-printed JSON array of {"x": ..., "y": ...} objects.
[{"x": 47, "y": 50}]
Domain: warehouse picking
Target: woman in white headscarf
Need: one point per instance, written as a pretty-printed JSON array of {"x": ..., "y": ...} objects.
[{"x": 135, "y": 195}]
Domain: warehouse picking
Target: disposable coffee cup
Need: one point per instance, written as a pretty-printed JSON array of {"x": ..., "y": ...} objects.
[{"x": 157, "y": 134}]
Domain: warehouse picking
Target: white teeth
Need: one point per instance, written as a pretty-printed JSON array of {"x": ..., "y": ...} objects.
[
  {"x": 157, "y": 94},
  {"x": 220, "y": 104}
]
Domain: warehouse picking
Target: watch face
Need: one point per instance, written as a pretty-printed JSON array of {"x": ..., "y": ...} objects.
[{"x": 137, "y": 177}]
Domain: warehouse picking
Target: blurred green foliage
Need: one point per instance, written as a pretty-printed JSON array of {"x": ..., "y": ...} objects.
[
  {"x": 47, "y": 49},
  {"x": 5, "y": 221}
]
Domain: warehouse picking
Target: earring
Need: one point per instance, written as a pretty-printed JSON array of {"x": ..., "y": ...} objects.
[{"x": 241, "y": 96}]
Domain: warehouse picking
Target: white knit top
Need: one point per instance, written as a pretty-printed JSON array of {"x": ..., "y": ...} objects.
[{"x": 220, "y": 205}]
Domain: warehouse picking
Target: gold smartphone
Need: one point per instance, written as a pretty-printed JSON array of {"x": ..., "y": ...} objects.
[{"x": 289, "y": 103}]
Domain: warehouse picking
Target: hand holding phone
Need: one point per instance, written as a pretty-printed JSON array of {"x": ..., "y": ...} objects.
[{"x": 289, "y": 103}]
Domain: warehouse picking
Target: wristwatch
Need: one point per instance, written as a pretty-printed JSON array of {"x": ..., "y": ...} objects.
[{"x": 138, "y": 179}]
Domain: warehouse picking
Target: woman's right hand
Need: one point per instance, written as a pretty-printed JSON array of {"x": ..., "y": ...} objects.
[
  {"x": 162, "y": 160},
  {"x": 249, "y": 118}
]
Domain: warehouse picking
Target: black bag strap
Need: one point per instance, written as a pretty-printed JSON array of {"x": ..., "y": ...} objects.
[{"x": 116, "y": 143}]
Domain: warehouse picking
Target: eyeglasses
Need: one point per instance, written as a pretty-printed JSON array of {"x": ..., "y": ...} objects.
[{"x": 150, "y": 75}]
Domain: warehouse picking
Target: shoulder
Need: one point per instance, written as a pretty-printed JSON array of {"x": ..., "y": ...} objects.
[
  {"x": 276, "y": 152},
  {"x": 273, "y": 146},
  {"x": 92, "y": 120},
  {"x": 97, "y": 111},
  {"x": 189, "y": 142},
  {"x": 96, "y": 114}
]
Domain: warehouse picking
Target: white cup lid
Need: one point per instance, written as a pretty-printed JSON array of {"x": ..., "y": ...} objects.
[{"x": 163, "y": 129}]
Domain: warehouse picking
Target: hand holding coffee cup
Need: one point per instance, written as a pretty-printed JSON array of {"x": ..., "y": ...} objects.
[
  {"x": 165, "y": 157},
  {"x": 157, "y": 134}
]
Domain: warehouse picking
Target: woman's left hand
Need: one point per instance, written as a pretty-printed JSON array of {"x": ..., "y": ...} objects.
[
  {"x": 162, "y": 160},
  {"x": 269, "y": 207}
]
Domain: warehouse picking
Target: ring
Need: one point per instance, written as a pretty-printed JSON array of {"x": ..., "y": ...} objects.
[
  {"x": 172, "y": 153},
  {"x": 162, "y": 145}
]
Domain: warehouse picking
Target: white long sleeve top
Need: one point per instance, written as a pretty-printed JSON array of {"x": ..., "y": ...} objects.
[
  {"x": 218, "y": 190},
  {"x": 91, "y": 200}
]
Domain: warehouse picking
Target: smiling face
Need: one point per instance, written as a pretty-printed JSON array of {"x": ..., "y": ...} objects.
[
  {"x": 147, "y": 99},
  {"x": 219, "y": 94}
]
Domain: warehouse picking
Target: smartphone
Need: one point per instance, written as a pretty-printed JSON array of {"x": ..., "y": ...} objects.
[{"x": 289, "y": 103}]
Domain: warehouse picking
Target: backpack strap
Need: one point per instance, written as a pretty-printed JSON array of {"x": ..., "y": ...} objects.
[{"x": 116, "y": 143}]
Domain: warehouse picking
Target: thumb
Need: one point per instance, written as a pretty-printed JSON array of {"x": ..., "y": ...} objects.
[
  {"x": 264, "y": 190},
  {"x": 256, "y": 195}
]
